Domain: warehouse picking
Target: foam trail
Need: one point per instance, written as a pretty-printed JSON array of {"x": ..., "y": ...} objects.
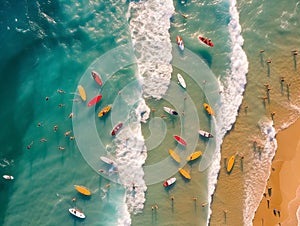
[
  {"x": 260, "y": 171},
  {"x": 149, "y": 22},
  {"x": 232, "y": 89},
  {"x": 149, "y": 26},
  {"x": 234, "y": 85},
  {"x": 131, "y": 154},
  {"x": 298, "y": 215}
]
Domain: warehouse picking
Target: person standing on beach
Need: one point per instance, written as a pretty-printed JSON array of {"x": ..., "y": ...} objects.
[
  {"x": 270, "y": 191},
  {"x": 274, "y": 211}
]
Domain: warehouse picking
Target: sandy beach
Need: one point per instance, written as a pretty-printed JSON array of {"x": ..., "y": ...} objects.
[{"x": 280, "y": 202}]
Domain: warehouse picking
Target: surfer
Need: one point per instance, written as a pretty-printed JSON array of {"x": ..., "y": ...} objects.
[
  {"x": 29, "y": 145},
  {"x": 71, "y": 115},
  {"x": 273, "y": 114},
  {"x": 133, "y": 186},
  {"x": 61, "y": 148},
  {"x": 55, "y": 128},
  {"x": 204, "y": 204},
  {"x": 68, "y": 133},
  {"x": 42, "y": 140},
  {"x": 60, "y": 91}
]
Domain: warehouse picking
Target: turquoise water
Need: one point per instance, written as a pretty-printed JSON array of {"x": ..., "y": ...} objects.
[{"x": 52, "y": 45}]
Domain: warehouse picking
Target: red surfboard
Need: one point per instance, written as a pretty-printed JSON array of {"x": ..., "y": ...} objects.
[
  {"x": 97, "y": 77},
  {"x": 206, "y": 41},
  {"x": 95, "y": 100},
  {"x": 180, "y": 42},
  {"x": 180, "y": 140},
  {"x": 116, "y": 129}
]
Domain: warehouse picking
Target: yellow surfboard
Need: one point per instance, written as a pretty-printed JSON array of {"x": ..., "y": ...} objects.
[
  {"x": 82, "y": 93},
  {"x": 194, "y": 156},
  {"x": 83, "y": 190},
  {"x": 184, "y": 173},
  {"x": 208, "y": 109},
  {"x": 174, "y": 155},
  {"x": 230, "y": 163},
  {"x": 104, "y": 111}
]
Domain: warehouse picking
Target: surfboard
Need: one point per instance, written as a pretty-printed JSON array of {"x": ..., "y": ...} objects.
[
  {"x": 205, "y": 134},
  {"x": 108, "y": 160},
  {"x": 169, "y": 182},
  {"x": 83, "y": 190},
  {"x": 116, "y": 129},
  {"x": 97, "y": 78},
  {"x": 180, "y": 140},
  {"x": 174, "y": 155},
  {"x": 194, "y": 156},
  {"x": 206, "y": 41},
  {"x": 230, "y": 163},
  {"x": 184, "y": 173},
  {"x": 181, "y": 80},
  {"x": 208, "y": 109},
  {"x": 77, "y": 213},
  {"x": 104, "y": 111},
  {"x": 180, "y": 42},
  {"x": 8, "y": 177},
  {"x": 170, "y": 111},
  {"x": 95, "y": 100},
  {"x": 82, "y": 93}
]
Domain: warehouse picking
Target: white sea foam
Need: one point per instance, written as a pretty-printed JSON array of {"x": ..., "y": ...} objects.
[
  {"x": 298, "y": 215},
  {"x": 259, "y": 171},
  {"x": 149, "y": 27},
  {"x": 232, "y": 89},
  {"x": 131, "y": 154}
]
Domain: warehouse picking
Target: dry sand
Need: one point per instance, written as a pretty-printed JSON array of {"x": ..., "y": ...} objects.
[{"x": 283, "y": 182}]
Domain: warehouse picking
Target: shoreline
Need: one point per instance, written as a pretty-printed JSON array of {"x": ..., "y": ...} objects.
[{"x": 280, "y": 202}]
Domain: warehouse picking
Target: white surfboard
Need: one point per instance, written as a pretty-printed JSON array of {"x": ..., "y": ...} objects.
[
  {"x": 108, "y": 160},
  {"x": 77, "y": 213},
  {"x": 170, "y": 111},
  {"x": 181, "y": 80},
  {"x": 205, "y": 134},
  {"x": 169, "y": 182},
  {"x": 8, "y": 177}
]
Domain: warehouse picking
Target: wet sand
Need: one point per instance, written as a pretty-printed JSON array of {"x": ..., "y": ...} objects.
[{"x": 281, "y": 189}]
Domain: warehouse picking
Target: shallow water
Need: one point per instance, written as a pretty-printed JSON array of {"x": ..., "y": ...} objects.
[{"x": 51, "y": 45}]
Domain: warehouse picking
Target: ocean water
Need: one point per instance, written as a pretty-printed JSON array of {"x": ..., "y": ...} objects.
[{"x": 54, "y": 45}]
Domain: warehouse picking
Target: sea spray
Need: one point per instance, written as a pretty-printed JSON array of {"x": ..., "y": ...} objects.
[
  {"x": 232, "y": 88},
  {"x": 259, "y": 171},
  {"x": 131, "y": 154},
  {"x": 234, "y": 85},
  {"x": 149, "y": 26},
  {"x": 298, "y": 215}
]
